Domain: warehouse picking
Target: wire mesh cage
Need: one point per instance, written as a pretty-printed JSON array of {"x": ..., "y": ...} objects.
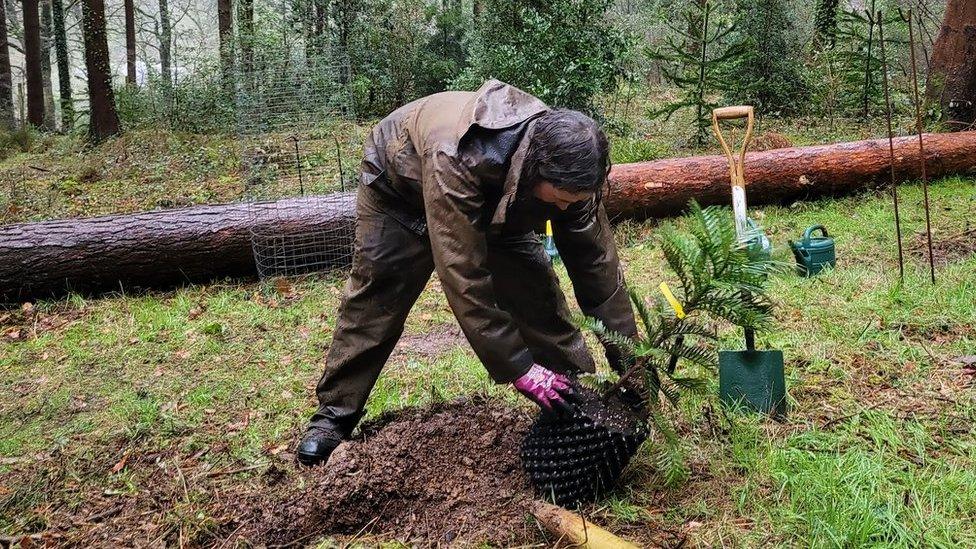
[{"x": 289, "y": 117}]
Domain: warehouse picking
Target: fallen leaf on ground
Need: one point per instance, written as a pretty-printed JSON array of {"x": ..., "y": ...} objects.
[{"x": 120, "y": 464}]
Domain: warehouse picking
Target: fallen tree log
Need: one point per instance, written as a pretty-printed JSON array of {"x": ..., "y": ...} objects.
[
  {"x": 165, "y": 248},
  {"x": 664, "y": 187},
  {"x": 162, "y": 249}
]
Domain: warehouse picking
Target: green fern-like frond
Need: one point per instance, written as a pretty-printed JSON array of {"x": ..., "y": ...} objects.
[
  {"x": 696, "y": 385},
  {"x": 626, "y": 345},
  {"x": 697, "y": 354},
  {"x": 670, "y": 458},
  {"x": 647, "y": 316}
]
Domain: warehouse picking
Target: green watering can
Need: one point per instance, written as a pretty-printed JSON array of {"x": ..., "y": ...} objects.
[
  {"x": 758, "y": 245},
  {"x": 814, "y": 253}
]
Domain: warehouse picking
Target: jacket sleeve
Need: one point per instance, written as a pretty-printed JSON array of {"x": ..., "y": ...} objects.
[
  {"x": 454, "y": 206},
  {"x": 586, "y": 246}
]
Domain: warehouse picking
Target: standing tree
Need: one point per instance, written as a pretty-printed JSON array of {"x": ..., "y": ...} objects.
[
  {"x": 47, "y": 38},
  {"x": 563, "y": 51},
  {"x": 64, "y": 74},
  {"x": 245, "y": 33},
  {"x": 32, "y": 62},
  {"x": 952, "y": 70},
  {"x": 693, "y": 61},
  {"x": 826, "y": 23},
  {"x": 769, "y": 73},
  {"x": 104, "y": 120},
  {"x": 6, "y": 81},
  {"x": 165, "y": 34},
  {"x": 130, "y": 42},
  {"x": 225, "y": 36}
]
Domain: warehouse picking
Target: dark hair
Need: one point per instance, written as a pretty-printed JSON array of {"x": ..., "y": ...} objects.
[{"x": 569, "y": 150}]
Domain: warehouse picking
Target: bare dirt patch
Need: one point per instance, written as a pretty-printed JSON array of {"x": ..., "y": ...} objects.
[
  {"x": 945, "y": 250},
  {"x": 431, "y": 344}
]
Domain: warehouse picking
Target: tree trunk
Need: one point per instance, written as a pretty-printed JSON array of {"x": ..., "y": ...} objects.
[
  {"x": 664, "y": 187},
  {"x": 47, "y": 38},
  {"x": 952, "y": 69},
  {"x": 165, "y": 45},
  {"x": 225, "y": 36},
  {"x": 104, "y": 120},
  {"x": 130, "y": 42},
  {"x": 32, "y": 63},
  {"x": 156, "y": 249},
  {"x": 64, "y": 70},
  {"x": 165, "y": 248},
  {"x": 6, "y": 81},
  {"x": 245, "y": 30}
]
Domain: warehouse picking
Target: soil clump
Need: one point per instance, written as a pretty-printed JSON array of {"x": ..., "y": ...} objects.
[{"x": 443, "y": 475}]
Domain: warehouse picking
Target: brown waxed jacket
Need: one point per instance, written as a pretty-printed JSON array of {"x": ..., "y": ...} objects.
[{"x": 450, "y": 164}]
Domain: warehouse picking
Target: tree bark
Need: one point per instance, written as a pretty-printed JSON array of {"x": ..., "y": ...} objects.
[
  {"x": 225, "y": 36},
  {"x": 155, "y": 249},
  {"x": 165, "y": 45},
  {"x": 104, "y": 120},
  {"x": 47, "y": 38},
  {"x": 64, "y": 70},
  {"x": 6, "y": 80},
  {"x": 32, "y": 63},
  {"x": 166, "y": 248},
  {"x": 952, "y": 68},
  {"x": 130, "y": 42},
  {"x": 321, "y": 16}
]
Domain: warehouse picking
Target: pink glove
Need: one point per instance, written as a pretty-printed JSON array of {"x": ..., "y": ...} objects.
[{"x": 546, "y": 388}]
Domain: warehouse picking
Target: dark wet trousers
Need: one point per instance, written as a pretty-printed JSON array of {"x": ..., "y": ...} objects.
[{"x": 391, "y": 266}]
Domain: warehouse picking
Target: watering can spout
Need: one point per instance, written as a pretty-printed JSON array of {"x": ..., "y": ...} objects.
[{"x": 797, "y": 251}]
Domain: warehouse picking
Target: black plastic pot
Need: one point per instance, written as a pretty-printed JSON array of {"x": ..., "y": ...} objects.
[
  {"x": 578, "y": 459},
  {"x": 753, "y": 380}
]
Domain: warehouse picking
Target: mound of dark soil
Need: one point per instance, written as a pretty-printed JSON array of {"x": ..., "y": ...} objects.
[{"x": 448, "y": 474}]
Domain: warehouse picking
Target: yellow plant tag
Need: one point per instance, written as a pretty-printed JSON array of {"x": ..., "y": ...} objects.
[
  {"x": 548, "y": 227},
  {"x": 678, "y": 310}
]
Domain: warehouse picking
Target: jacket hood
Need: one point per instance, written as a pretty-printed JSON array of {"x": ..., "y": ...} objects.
[{"x": 497, "y": 105}]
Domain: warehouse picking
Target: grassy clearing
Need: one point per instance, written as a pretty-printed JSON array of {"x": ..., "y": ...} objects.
[
  {"x": 164, "y": 400},
  {"x": 170, "y": 401}
]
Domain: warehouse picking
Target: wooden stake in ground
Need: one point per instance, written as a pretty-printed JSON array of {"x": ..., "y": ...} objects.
[
  {"x": 921, "y": 146},
  {"x": 573, "y": 530},
  {"x": 891, "y": 143}
]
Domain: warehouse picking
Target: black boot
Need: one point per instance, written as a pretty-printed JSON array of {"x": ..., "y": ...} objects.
[{"x": 317, "y": 445}]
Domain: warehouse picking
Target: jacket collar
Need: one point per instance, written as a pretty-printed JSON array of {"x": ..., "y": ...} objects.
[
  {"x": 512, "y": 178},
  {"x": 496, "y": 105}
]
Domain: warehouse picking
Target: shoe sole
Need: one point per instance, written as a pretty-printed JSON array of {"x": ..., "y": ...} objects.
[{"x": 309, "y": 460}]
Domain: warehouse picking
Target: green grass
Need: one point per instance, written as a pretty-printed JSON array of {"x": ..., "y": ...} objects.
[{"x": 879, "y": 448}]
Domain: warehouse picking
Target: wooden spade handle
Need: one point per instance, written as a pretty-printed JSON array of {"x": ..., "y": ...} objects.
[
  {"x": 571, "y": 528},
  {"x": 736, "y": 161},
  {"x": 732, "y": 113}
]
